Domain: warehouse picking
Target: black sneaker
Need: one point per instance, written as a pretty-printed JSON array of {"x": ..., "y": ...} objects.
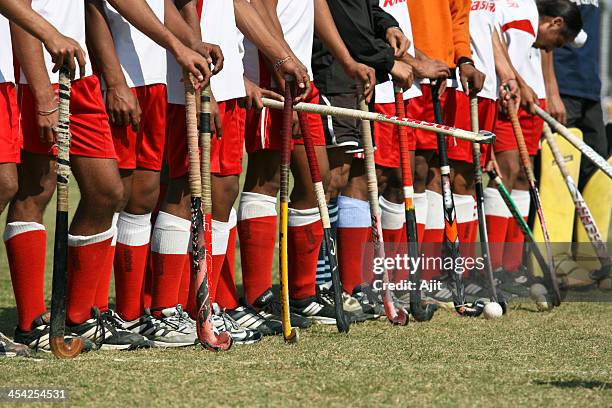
[
  {"x": 249, "y": 318},
  {"x": 371, "y": 303},
  {"x": 270, "y": 308},
  {"x": 105, "y": 330},
  {"x": 8, "y": 348},
  {"x": 223, "y": 322},
  {"x": 514, "y": 283},
  {"x": 37, "y": 339},
  {"x": 314, "y": 308}
]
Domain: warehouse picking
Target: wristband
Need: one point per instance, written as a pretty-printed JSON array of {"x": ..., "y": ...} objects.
[
  {"x": 464, "y": 61},
  {"x": 48, "y": 112}
]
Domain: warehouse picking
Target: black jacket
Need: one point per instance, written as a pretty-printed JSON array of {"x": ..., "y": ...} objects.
[{"x": 362, "y": 24}]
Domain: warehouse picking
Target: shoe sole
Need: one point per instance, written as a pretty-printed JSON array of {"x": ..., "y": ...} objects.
[
  {"x": 246, "y": 342},
  {"x": 163, "y": 344},
  {"x": 322, "y": 320}
]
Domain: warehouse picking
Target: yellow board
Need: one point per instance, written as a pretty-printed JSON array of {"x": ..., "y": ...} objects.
[
  {"x": 559, "y": 210},
  {"x": 598, "y": 196}
]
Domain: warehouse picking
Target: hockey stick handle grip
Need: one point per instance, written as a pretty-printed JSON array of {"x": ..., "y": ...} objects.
[
  {"x": 63, "y": 140},
  {"x": 195, "y": 175},
  {"x": 311, "y": 155},
  {"x": 370, "y": 167},
  {"x": 400, "y": 110},
  {"x": 578, "y": 144},
  {"x": 482, "y": 137},
  {"x": 205, "y": 135},
  {"x": 520, "y": 142}
]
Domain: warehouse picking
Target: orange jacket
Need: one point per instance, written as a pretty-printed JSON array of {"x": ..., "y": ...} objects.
[{"x": 441, "y": 28}]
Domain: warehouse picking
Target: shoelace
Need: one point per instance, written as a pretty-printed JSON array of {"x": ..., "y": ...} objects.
[{"x": 104, "y": 323}]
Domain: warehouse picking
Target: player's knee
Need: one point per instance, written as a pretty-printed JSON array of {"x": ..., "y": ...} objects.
[
  {"x": 8, "y": 188},
  {"x": 108, "y": 197},
  {"x": 420, "y": 171}
]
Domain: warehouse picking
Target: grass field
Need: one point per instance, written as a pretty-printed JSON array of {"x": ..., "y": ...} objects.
[{"x": 526, "y": 358}]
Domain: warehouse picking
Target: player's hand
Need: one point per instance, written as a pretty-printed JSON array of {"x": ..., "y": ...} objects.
[
  {"x": 365, "y": 75},
  {"x": 529, "y": 99},
  {"x": 471, "y": 79},
  {"x": 122, "y": 107},
  {"x": 254, "y": 95},
  {"x": 64, "y": 51},
  {"x": 213, "y": 55},
  {"x": 430, "y": 68},
  {"x": 195, "y": 64},
  {"x": 47, "y": 117},
  {"x": 296, "y": 131},
  {"x": 402, "y": 74},
  {"x": 398, "y": 41},
  {"x": 509, "y": 91},
  {"x": 556, "y": 108},
  {"x": 302, "y": 79}
]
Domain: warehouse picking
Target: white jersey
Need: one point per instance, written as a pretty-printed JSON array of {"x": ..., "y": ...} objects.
[
  {"x": 482, "y": 24},
  {"x": 68, "y": 16},
  {"x": 296, "y": 18},
  {"x": 7, "y": 73},
  {"x": 399, "y": 10},
  {"x": 518, "y": 22},
  {"x": 142, "y": 60},
  {"x": 218, "y": 25}
]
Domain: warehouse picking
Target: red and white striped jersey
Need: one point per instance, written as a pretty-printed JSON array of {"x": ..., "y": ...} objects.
[
  {"x": 218, "y": 25},
  {"x": 142, "y": 60},
  {"x": 7, "y": 73},
  {"x": 518, "y": 22},
  {"x": 399, "y": 10},
  {"x": 296, "y": 18},
  {"x": 68, "y": 16}
]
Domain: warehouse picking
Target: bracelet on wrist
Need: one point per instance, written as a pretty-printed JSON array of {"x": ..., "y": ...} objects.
[{"x": 280, "y": 62}]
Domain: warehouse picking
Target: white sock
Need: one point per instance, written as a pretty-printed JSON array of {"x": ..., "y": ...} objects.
[{"x": 170, "y": 235}]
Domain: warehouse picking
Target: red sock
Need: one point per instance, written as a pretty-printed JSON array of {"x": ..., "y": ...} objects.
[
  {"x": 305, "y": 235},
  {"x": 433, "y": 236},
  {"x": 101, "y": 299},
  {"x": 169, "y": 244},
  {"x": 393, "y": 217},
  {"x": 183, "y": 297},
  {"x": 26, "y": 249},
  {"x": 227, "y": 294},
  {"x": 86, "y": 258},
  {"x": 513, "y": 255},
  {"x": 257, "y": 233},
  {"x": 354, "y": 231},
  {"x": 497, "y": 216},
  {"x": 421, "y": 208},
  {"x": 133, "y": 236}
]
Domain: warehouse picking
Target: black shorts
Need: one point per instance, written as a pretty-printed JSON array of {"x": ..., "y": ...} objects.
[{"x": 342, "y": 132}]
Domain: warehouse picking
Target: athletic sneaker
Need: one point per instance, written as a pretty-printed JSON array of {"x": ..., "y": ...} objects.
[
  {"x": 474, "y": 288},
  {"x": 351, "y": 306},
  {"x": 37, "y": 339},
  {"x": 106, "y": 331},
  {"x": 174, "y": 327},
  {"x": 443, "y": 296},
  {"x": 371, "y": 302},
  {"x": 249, "y": 318},
  {"x": 8, "y": 348},
  {"x": 314, "y": 308},
  {"x": 271, "y": 309},
  {"x": 516, "y": 284},
  {"x": 222, "y": 321}
]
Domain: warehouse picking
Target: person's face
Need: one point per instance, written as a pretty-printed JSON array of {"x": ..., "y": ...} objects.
[{"x": 550, "y": 34}]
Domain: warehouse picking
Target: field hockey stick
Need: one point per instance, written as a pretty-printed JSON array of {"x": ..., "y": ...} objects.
[
  {"x": 290, "y": 334},
  {"x": 420, "y": 313},
  {"x": 535, "y": 195},
  {"x": 395, "y": 315},
  {"x": 584, "y": 148},
  {"x": 342, "y": 321},
  {"x": 61, "y": 347},
  {"x": 583, "y": 211},
  {"x": 483, "y": 137},
  {"x": 527, "y": 233},
  {"x": 480, "y": 208},
  {"x": 201, "y": 230},
  {"x": 450, "y": 246}
]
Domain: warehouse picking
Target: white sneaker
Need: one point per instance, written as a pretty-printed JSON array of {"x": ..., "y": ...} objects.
[{"x": 224, "y": 322}]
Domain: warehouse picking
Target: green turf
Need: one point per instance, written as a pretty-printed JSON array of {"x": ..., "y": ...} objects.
[{"x": 526, "y": 358}]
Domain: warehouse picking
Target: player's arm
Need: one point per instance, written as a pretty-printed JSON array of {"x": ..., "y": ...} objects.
[
  {"x": 471, "y": 79},
  {"x": 528, "y": 97},
  {"x": 181, "y": 18},
  {"x": 63, "y": 50},
  {"x": 554, "y": 104},
  {"x": 327, "y": 32},
  {"x": 121, "y": 104},
  {"x": 388, "y": 28},
  {"x": 509, "y": 88},
  {"x": 140, "y": 15},
  {"x": 250, "y": 23},
  {"x": 425, "y": 67},
  {"x": 29, "y": 53}
]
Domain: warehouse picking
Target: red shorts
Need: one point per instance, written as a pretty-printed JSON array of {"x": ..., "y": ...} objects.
[
  {"x": 89, "y": 127},
  {"x": 386, "y": 137},
  {"x": 10, "y": 136},
  {"x": 461, "y": 150},
  {"x": 144, "y": 149},
  {"x": 263, "y": 128},
  {"x": 532, "y": 127},
  {"x": 225, "y": 155},
  {"x": 421, "y": 108}
]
